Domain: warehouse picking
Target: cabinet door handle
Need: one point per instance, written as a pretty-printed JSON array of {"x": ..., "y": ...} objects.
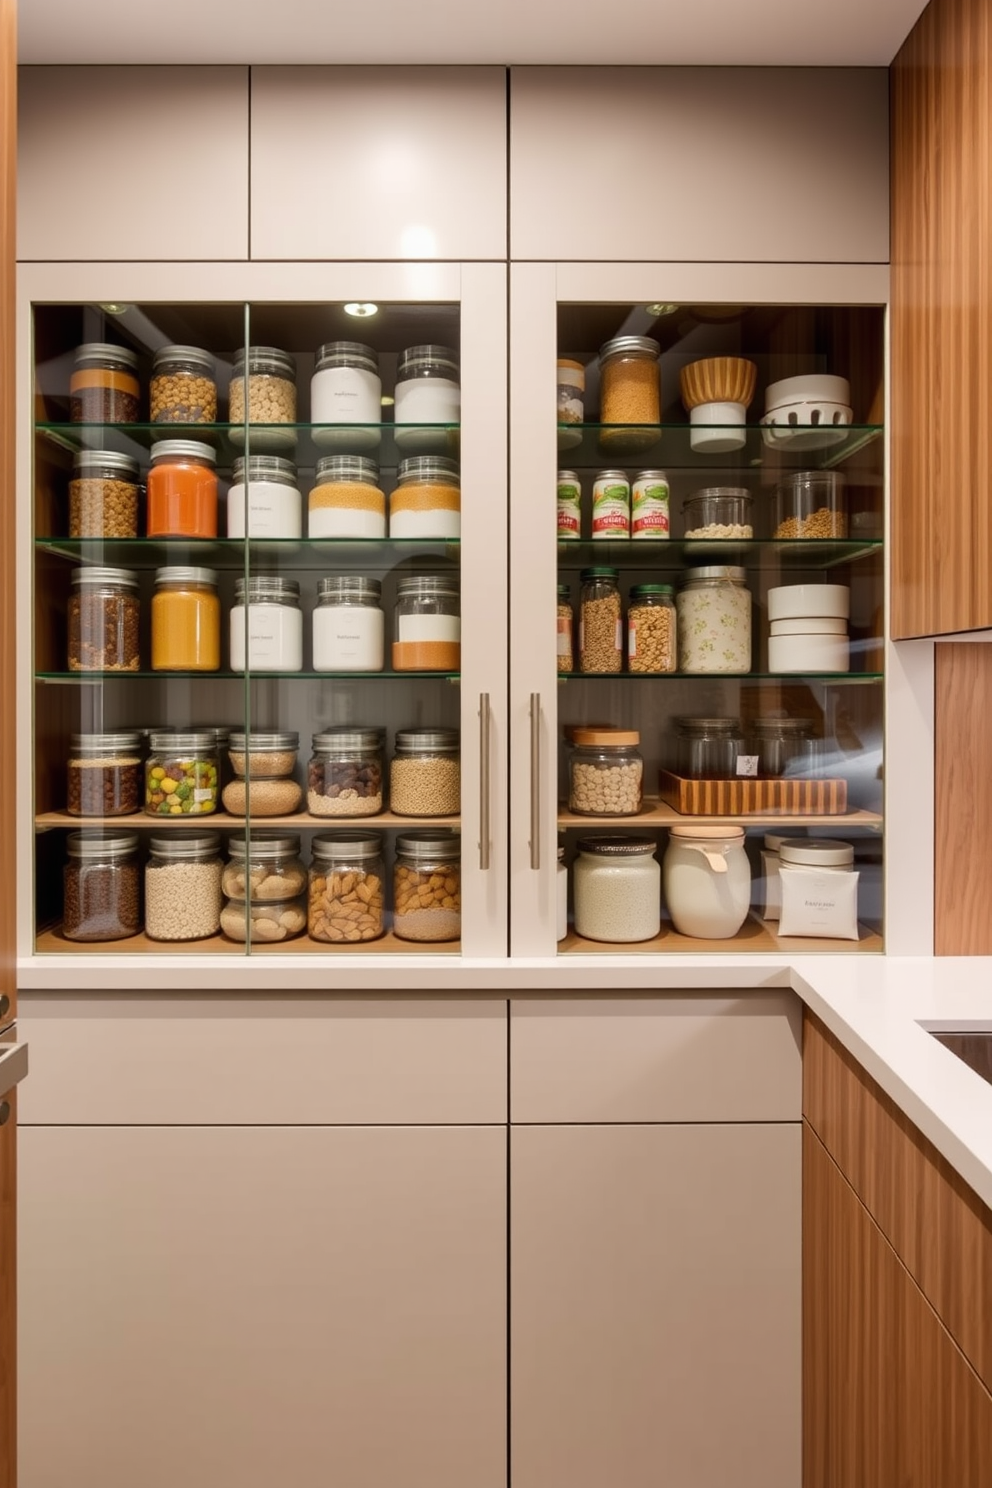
[
  {"x": 535, "y": 780},
  {"x": 485, "y": 768}
]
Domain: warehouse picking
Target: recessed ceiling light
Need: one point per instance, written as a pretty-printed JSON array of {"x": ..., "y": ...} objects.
[
  {"x": 115, "y": 309},
  {"x": 361, "y": 308},
  {"x": 386, "y": 401},
  {"x": 661, "y": 309}
]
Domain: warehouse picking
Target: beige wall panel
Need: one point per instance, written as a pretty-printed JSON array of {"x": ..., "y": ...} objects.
[
  {"x": 282, "y": 1060},
  {"x": 221, "y": 1308},
  {"x": 688, "y": 1057},
  {"x": 378, "y": 162},
  {"x": 723, "y": 163},
  {"x": 655, "y": 1306},
  {"x": 133, "y": 162}
]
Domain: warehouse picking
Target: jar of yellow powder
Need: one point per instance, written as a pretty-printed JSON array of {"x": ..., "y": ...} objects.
[
  {"x": 185, "y": 621},
  {"x": 427, "y": 499},
  {"x": 347, "y": 500}
]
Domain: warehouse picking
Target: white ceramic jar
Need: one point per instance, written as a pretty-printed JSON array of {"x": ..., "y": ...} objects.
[
  {"x": 348, "y": 625},
  {"x": 714, "y": 620},
  {"x": 267, "y": 614},
  {"x": 707, "y": 881},
  {"x": 267, "y": 485},
  {"x": 346, "y": 389},
  {"x": 617, "y": 885}
]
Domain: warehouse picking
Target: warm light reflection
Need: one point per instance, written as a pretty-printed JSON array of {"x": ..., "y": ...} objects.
[
  {"x": 361, "y": 308},
  {"x": 417, "y": 241}
]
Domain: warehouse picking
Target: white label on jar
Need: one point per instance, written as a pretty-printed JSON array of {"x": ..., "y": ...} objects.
[
  {"x": 610, "y": 509},
  {"x": 346, "y": 395},
  {"x": 275, "y": 638},
  {"x": 427, "y": 400},
  {"x": 202, "y": 793},
  {"x": 632, "y": 640},
  {"x": 429, "y": 628},
  {"x": 618, "y": 635},
  {"x": 274, "y": 510},
  {"x": 650, "y": 514},
  {"x": 747, "y": 764},
  {"x": 348, "y": 638}
]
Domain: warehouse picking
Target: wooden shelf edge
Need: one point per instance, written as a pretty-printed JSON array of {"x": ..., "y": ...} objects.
[
  {"x": 755, "y": 937},
  {"x": 223, "y": 821},
  {"x": 53, "y": 942},
  {"x": 657, "y": 813}
]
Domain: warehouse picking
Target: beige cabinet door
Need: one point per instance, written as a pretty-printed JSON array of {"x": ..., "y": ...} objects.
[
  {"x": 8, "y": 1293},
  {"x": 655, "y": 1306},
  {"x": 238, "y": 1308}
]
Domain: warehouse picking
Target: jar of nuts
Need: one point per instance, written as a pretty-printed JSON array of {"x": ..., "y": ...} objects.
[
  {"x": 347, "y": 888},
  {"x": 104, "y": 774},
  {"x": 271, "y": 378},
  {"x": 103, "y": 388},
  {"x": 427, "y": 886},
  {"x": 651, "y": 629},
  {"x": 600, "y": 622},
  {"x": 630, "y": 393},
  {"x": 183, "y": 390},
  {"x": 103, "y": 495},
  {"x": 101, "y": 886},
  {"x": 265, "y": 888},
  {"x": 606, "y": 772},
  {"x": 344, "y": 777},
  {"x": 425, "y": 774}
]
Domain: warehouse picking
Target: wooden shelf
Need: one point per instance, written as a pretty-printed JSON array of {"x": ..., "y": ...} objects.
[
  {"x": 52, "y": 941},
  {"x": 755, "y": 936},
  {"x": 222, "y": 820},
  {"x": 656, "y": 814}
]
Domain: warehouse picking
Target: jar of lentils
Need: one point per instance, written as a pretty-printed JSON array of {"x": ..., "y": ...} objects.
[
  {"x": 264, "y": 885},
  {"x": 271, "y": 378},
  {"x": 565, "y": 626},
  {"x": 630, "y": 393},
  {"x": 183, "y": 886},
  {"x": 425, "y": 774},
  {"x": 103, "y": 388},
  {"x": 600, "y": 622},
  {"x": 104, "y": 774},
  {"x": 103, "y": 621},
  {"x": 651, "y": 629},
  {"x": 617, "y": 888},
  {"x": 344, "y": 776},
  {"x": 427, "y": 886},
  {"x": 347, "y": 888},
  {"x": 101, "y": 886},
  {"x": 427, "y": 499},
  {"x": 606, "y": 772},
  {"x": 714, "y": 620},
  {"x": 103, "y": 495},
  {"x": 183, "y": 390},
  {"x": 346, "y": 500},
  {"x": 181, "y": 773}
]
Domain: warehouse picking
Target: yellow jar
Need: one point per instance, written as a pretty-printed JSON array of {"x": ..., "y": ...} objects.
[
  {"x": 185, "y": 621},
  {"x": 347, "y": 500}
]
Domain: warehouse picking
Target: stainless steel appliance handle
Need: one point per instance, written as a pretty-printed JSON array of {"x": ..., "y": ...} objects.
[
  {"x": 535, "y": 780},
  {"x": 485, "y": 780}
]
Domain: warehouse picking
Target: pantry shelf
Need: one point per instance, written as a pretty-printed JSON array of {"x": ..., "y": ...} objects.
[
  {"x": 673, "y": 556},
  {"x": 591, "y": 446},
  {"x": 221, "y": 821},
  {"x": 310, "y": 554},
  {"x": 304, "y": 444},
  {"x": 832, "y": 679},
  {"x": 755, "y": 936},
  {"x": 52, "y": 941},
  {"x": 657, "y": 814},
  {"x": 82, "y": 678}
]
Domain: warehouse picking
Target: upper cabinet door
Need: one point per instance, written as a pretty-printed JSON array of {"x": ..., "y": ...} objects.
[
  {"x": 722, "y": 164},
  {"x": 378, "y": 163},
  {"x": 119, "y": 163}
]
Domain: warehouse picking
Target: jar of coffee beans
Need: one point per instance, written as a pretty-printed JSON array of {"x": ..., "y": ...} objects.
[
  {"x": 104, "y": 388},
  {"x": 104, "y": 774},
  {"x": 101, "y": 886},
  {"x": 103, "y": 621},
  {"x": 344, "y": 777}
]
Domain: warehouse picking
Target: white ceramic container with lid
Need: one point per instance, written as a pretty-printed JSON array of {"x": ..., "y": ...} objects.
[
  {"x": 346, "y": 389},
  {"x": 267, "y": 486},
  {"x": 809, "y": 652},
  {"x": 707, "y": 881},
  {"x": 348, "y": 625},
  {"x": 810, "y": 387},
  {"x": 819, "y": 889},
  {"x": 617, "y": 886},
  {"x": 802, "y": 601},
  {"x": 714, "y": 620}
]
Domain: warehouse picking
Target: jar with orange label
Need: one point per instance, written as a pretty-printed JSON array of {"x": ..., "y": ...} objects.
[
  {"x": 347, "y": 500},
  {"x": 427, "y": 499},
  {"x": 185, "y": 620},
  {"x": 182, "y": 489},
  {"x": 103, "y": 388}
]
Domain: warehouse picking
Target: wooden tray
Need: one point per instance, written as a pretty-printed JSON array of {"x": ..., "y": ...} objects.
[{"x": 746, "y": 797}]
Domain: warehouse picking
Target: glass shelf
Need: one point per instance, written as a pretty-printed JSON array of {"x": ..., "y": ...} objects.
[
  {"x": 677, "y": 554},
  {"x": 222, "y": 676},
  {"x": 839, "y": 679},
  {"x": 582, "y": 446},
  {"x": 318, "y": 554},
  {"x": 304, "y": 444}
]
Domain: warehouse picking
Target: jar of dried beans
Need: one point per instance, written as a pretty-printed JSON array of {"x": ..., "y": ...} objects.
[
  {"x": 811, "y": 503},
  {"x": 344, "y": 776},
  {"x": 104, "y": 774},
  {"x": 347, "y": 888},
  {"x": 346, "y": 500},
  {"x": 101, "y": 886},
  {"x": 103, "y": 621},
  {"x": 103, "y": 495},
  {"x": 630, "y": 393},
  {"x": 183, "y": 390},
  {"x": 600, "y": 622},
  {"x": 425, "y": 775},
  {"x": 103, "y": 388},
  {"x": 182, "y": 886}
]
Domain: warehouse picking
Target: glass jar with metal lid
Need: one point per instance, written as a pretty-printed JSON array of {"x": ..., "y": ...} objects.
[
  {"x": 718, "y": 512},
  {"x": 427, "y": 499},
  {"x": 346, "y": 500},
  {"x": 344, "y": 776},
  {"x": 101, "y": 886},
  {"x": 616, "y": 883},
  {"x": 104, "y": 774},
  {"x": 185, "y": 620},
  {"x": 708, "y": 747},
  {"x": 347, "y": 888},
  {"x": 267, "y": 622},
  {"x": 264, "y": 885},
  {"x": 565, "y": 629},
  {"x": 346, "y": 389},
  {"x": 182, "y": 489},
  {"x": 349, "y": 625},
  {"x": 427, "y": 886},
  {"x": 606, "y": 772},
  {"x": 183, "y": 389},
  {"x": 600, "y": 621},
  {"x": 182, "y": 886},
  {"x": 264, "y": 756},
  {"x": 103, "y": 495},
  {"x": 181, "y": 773},
  {"x": 427, "y": 392},
  {"x": 784, "y": 746},
  {"x": 263, "y": 784},
  {"x": 425, "y": 773},
  {"x": 266, "y": 487},
  {"x": 630, "y": 393},
  {"x": 651, "y": 629},
  {"x": 103, "y": 621},
  {"x": 428, "y": 629},
  {"x": 271, "y": 378},
  {"x": 103, "y": 387},
  {"x": 714, "y": 620}
]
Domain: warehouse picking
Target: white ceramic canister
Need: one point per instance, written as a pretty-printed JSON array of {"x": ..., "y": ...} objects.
[
  {"x": 707, "y": 881},
  {"x": 275, "y": 506},
  {"x": 717, "y": 427},
  {"x": 346, "y": 389},
  {"x": 611, "y": 505},
  {"x": 819, "y": 889},
  {"x": 348, "y": 625},
  {"x": 714, "y": 620},
  {"x": 427, "y": 392},
  {"x": 617, "y": 888},
  {"x": 649, "y": 506},
  {"x": 271, "y": 621}
]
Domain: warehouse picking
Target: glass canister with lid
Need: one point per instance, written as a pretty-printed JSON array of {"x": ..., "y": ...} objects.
[
  {"x": 425, "y": 773},
  {"x": 707, "y": 880},
  {"x": 182, "y": 772},
  {"x": 185, "y": 620},
  {"x": 600, "y": 621},
  {"x": 651, "y": 629},
  {"x": 267, "y": 622},
  {"x": 427, "y": 886},
  {"x": 101, "y": 885},
  {"x": 630, "y": 392},
  {"x": 103, "y": 495},
  {"x": 427, "y": 499},
  {"x": 346, "y": 500},
  {"x": 719, "y": 513},
  {"x": 606, "y": 772},
  {"x": 103, "y": 387},
  {"x": 263, "y": 765},
  {"x": 104, "y": 774},
  {"x": 616, "y": 883},
  {"x": 271, "y": 378},
  {"x": 183, "y": 389},
  {"x": 708, "y": 748},
  {"x": 346, "y": 389},
  {"x": 264, "y": 885},
  {"x": 428, "y": 628},
  {"x": 427, "y": 392},
  {"x": 182, "y": 489},
  {"x": 811, "y": 503},
  {"x": 349, "y": 625},
  {"x": 267, "y": 487},
  {"x": 714, "y": 620},
  {"x": 103, "y": 621},
  {"x": 344, "y": 776},
  {"x": 783, "y": 746},
  {"x": 347, "y": 888},
  {"x": 183, "y": 886}
]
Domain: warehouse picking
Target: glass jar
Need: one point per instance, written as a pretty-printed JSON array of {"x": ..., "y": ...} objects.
[
  {"x": 427, "y": 392},
  {"x": 600, "y": 622},
  {"x": 344, "y": 777},
  {"x": 103, "y": 621},
  {"x": 271, "y": 377},
  {"x": 425, "y": 773},
  {"x": 571, "y": 391},
  {"x": 630, "y": 392},
  {"x": 427, "y": 886},
  {"x": 616, "y": 883},
  {"x": 707, "y": 881},
  {"x": 650, "y": 512},
  {"x": 605, "y": 772},
  {"x": 346, "y": 389},
  {"x": 565, "y": 626},
  {"x": 346, "y": 500},
  {"x": 811, "y": 503},
  {"x": 427, "y": 499},
  {"x": 719, "y": 512},
  {"x": 182, "y": 886},
  {"x": 428, "y": 625},
  {"x": 263, "y": 783},
  {"x": 103, "y": 387},
  {"x": 104, "y": 774},
  {"x": 183, "y": 389},
  {"x": 103, "y": 495},
  {"x": 569, "y": 506},
  {"x": 182, "y": 489},
  {"x": 349, "y": 626},
  {"x": 267, "y": 612},
  {"x": 267, "y": 485},
  {"x": 714, "y": 620},
  {"x": 185, "y": 621},
  {"x": 101, "y": 886},
  {"x": 708, "y": 747},
  {"x": 347, "y": 888},
  {"x": 561, "y": 897},
  {"x": 270, "y": 756},
  {"x": 784, "y": 746},
  {"x": 181, "y": 773},
  {"x": 264, "y": 885},
  {"x": 651, "y": 629},
  {"x": 611, "y": 505}
]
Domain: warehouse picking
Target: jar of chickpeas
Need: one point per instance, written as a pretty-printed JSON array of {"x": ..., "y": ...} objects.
[{"x": 270, "y": 377}]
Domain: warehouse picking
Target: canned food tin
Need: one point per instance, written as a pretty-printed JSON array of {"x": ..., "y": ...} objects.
[
  {"x": 569, "y": 506},
  {"x": 649, "y": 506},
  {"x": 611, "y": 505}
]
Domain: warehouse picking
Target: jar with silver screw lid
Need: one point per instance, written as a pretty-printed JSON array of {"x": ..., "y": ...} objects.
[
  {"x": 347, "y": 889},
  {"x": 101, "y": 886},
  {"x": 183, "y": 387},
  {"x": 349, "y": 625},
  {"x": 266, "y": 487},
  {"x": 183, "y": 886},
  {"x": 427, "y": 886},
  {"x": 346, "y": 397},
  {"x": 428, "y": 392},
  {"x": 425, "y": 774},
  {"x": 270, "y": 375},
  {"x": 266, "y": 620}
]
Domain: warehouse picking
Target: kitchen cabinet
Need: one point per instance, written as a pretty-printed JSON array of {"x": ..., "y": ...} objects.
[
  {"x": 309, "y": 1304},
  {"x": 8, "y": 1293}
]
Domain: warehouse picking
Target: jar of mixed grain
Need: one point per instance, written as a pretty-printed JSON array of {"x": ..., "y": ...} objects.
[
  {"x": 630, "y": 393},
  {"x": 347, "y": 888},
  {"x": 182, "y": 773},
  {"x": 185, "y": 620},
  {"x": 600, "y": 622},
  {"x": 651, "y": 629},
  {"x": 565, "y": 626},
  {"x": 103, "y": 495},
  {"x": 346, "y": 500},
  {"x": 719, "y": 512},
  {"x": 264, "y": 756},
  {"x": 811, "y": 503},
  {"x": 428, "y": 628},
  {"x": 266, "y": 487},
  {"x": 263, "y": 782},
  {"x": 427, "y": 392},
  {"x": 264, "y": 887},
  {"x": 104, "y": 774},
  {"x": 183, "y": 389},
  {"x": 103, "y": 388},
  {"x": 616, "y": 884},
  {"x": 344, "y": 776},
  {"x": 425, "y": 774},
  {"x": 271, "y": 378},
  {"x": 183, "y": 886},
  {"x": 103, "y": 621},
  {"x": 346, "y": 396},
  {"x": 101, "y": 885},
  {"x": 267, "y": 622},
  {"x": 182, "y": 489},
  {"x": 427, "y": 886},
  {"x": 714, "y": 620},
  {"x": 605, "y": 772},
  {"x": 427, "y": 499},
  {"x": 349, "y": 625}
]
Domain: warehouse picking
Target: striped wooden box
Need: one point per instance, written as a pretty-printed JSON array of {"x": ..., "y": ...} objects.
[{"x": 747, "y": 797}]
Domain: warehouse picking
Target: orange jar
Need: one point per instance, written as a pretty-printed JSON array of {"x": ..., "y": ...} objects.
[
  {"x": 182, "y": 489},
  {"x": 185, "y": 621}
]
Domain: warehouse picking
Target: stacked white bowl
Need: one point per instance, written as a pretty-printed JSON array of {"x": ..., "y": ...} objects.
[{"x": 808, "y": 628}]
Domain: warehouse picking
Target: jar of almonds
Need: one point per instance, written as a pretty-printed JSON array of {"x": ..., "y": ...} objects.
[
  {"x": 347, "y": 888},
  {"x": 427, "y": 885},
  {"x": 651, "y": 629}
]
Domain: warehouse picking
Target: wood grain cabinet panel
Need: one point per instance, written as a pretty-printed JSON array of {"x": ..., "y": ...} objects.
[
  {"x": 962, "y": 924},
  {"x": 219, "y": 1307}
]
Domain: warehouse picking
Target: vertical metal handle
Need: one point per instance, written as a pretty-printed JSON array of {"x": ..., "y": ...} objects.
[
  {"x": 535, "y": 780},
  {"x": 485, "y": 774}
]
